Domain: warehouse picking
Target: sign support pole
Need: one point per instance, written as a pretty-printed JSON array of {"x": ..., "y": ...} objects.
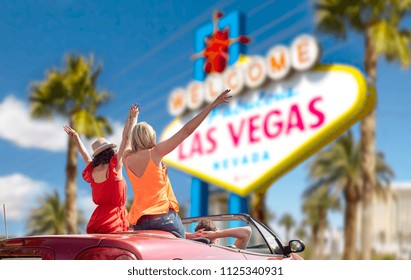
[
  {"x": 237, "y": 204},
  {"x": 199, "y": 197}
]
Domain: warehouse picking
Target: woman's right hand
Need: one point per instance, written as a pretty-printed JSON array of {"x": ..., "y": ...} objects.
[
  {"x": 80, "y": 146},
  {"x": 69, "y": 130},
  {"x": 134, "y": 110}
]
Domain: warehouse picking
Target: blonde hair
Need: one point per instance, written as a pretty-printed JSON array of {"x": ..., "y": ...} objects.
[{"x": 143, "y": 137}]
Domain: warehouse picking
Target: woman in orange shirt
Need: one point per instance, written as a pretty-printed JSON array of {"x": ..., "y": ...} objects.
[
  {"x": 104, "y": 174},
  {"x": 155, "y": 205}
]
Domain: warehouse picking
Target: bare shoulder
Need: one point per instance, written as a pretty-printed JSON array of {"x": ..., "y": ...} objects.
[
  {"x": 126, "y": 154},
  {"x": 156, "y": 154}
]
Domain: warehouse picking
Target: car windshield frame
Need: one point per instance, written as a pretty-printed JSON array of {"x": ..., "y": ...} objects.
[{"x": 258, "y": 228}]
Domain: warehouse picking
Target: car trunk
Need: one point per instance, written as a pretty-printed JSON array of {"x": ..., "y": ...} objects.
[{"x": 46, "y": 247}]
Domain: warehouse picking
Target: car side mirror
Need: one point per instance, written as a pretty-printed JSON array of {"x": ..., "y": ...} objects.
[{"x": 294, "y": 246}]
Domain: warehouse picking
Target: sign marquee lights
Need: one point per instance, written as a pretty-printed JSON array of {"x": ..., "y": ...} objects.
[
  {"x": 285, "y": 108},
  {"x": 303, "y": 54}
]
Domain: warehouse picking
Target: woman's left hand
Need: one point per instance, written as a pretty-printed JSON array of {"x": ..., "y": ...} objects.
[{"x": 224, "y": 97}]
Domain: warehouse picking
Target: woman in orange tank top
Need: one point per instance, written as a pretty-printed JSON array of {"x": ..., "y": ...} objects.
[
  {"x": 104, "y": 174},
  {"x": 155, "y": 205}
]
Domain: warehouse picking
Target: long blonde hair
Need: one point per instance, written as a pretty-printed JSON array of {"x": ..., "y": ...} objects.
[{"x": 143, "y": 137}]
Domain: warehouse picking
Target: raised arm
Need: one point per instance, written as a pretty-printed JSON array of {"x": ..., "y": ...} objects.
[
  {"x": 166, "y": 146},
  {"x": 125, "y": 141},
  {"x": 80, "y": 146}
]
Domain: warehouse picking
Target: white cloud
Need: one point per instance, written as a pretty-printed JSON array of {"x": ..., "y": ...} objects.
[
  {"x": 19, "y": 193},
  {"x": 17, "y": 126}
]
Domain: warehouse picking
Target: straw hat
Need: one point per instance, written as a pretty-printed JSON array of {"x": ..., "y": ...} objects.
[{"x": 100, "y": 145}]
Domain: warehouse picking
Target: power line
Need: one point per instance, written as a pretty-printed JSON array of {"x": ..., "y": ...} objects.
[
  {"x": 285, "y": 33},
  {"x": 159, "y": 70},
  {"x": 261, "y": 45},
  {"x": 187, "y": 27},
  {"x": 260, "y": 7},
  {"x": 278, "y": 21}
]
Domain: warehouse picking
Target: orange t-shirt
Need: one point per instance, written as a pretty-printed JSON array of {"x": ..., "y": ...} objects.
[{"x": 152, "y": 192}]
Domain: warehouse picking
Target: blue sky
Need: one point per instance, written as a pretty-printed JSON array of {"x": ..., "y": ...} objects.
[{"x": 145, "y": 49}]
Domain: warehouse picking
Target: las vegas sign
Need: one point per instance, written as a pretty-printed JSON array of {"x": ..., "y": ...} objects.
[{"x": 285, "y": 108}]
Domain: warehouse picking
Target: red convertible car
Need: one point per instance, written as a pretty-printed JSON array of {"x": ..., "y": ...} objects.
[{"x": 264, "y": 244}]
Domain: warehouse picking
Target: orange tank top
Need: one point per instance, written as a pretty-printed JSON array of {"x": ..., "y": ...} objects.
[{"x": 153, "y": 193}]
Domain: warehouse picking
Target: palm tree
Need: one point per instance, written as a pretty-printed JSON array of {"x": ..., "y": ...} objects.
[
  {"x": 258, "y": 209},
  {"x": 72, "y": 93},
  {"x": 49, "y": 217},
  {"x": 288, "y": 222},
  {"x": 380, "y": 23},
  {"x": 301, "y": 232},
  {"x": 317, "y": 203},
  {"x": 339, "y": 166}
]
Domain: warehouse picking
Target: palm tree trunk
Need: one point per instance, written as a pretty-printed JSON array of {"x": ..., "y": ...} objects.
[
  {"x": 257, "y": 210},
  {"x": 314, "y": 242},
  {"x": 287, "y": 233},
  {"x": 350, "y": 220},
  {"x": 322, "y": 226},
  {"x": 71, "y": 188},
  {"x": 368, "y": 148}
]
